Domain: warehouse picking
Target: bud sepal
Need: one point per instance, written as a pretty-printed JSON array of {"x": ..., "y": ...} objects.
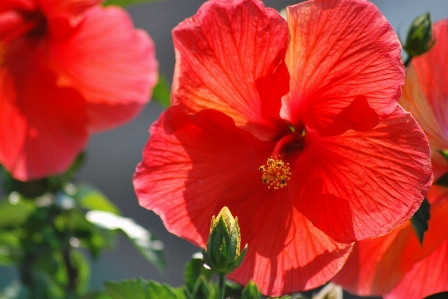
[{"x": 223, "y": 254}]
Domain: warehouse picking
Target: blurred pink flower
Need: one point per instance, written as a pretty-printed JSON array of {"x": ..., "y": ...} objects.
[{"x": 68, "y": 68}]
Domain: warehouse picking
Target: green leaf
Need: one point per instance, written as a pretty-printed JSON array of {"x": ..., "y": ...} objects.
[
  {"x": 82, "y": 267},
  {"x": 10, "y": 249},
  {"x": 161, "y": 92},
  {"x": 233, "y": 290},
  {"x": 95, "y": 295},
  {"x": 126, "y": 2},
  {"x": 197, "y": 278},
  {"x": 420, "y": 220},
  {"x": 140, "y": 289},
  {"x": 142, "y": 239},
  {"x": 93, "y": 199},
  {"x": 194, "y": 269},
  {"x": 14, "y": 212},
  {"x": 251, "y": 291}
]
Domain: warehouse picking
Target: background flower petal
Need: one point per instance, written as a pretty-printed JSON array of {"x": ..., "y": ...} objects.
[
  {"x": 428, "y": 276},
  {"x": 363, "y": 184},
  {"x": 230, "y": 57},
  {"x": 425, "y": 93},
  {"x": 376, "y": 266},
  {"x": 345, "y": 66},
  {"x": 106, "y": 59},
  {"x": 42, "y": 126}
]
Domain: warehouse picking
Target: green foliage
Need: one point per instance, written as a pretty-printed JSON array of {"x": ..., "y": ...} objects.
[
  {"x": 420, "y": 220},
  {"x": 126, "y": 2},
  {"x": 15, "y": 290},
  {"x": 34, "y": 189},
  {"x": 143, "y": 240},
  {"x": 95, "y": 295},
  {"x": 43, "y": 226},
  {"x": 141, "y": 289},
  {"x": 197, "y": 279},
  {"x": 92, "y": 199},
  {"x": 251, "y": 291},
  {"x": 161, "y": 92}
]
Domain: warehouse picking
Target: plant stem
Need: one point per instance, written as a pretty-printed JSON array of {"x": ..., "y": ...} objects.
[
  {"x": 221, "y": 285},
  {"x": 72, "y": 272}
]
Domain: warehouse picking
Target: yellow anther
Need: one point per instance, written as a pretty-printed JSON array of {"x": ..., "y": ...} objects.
[{"x": 275, "y": 173}]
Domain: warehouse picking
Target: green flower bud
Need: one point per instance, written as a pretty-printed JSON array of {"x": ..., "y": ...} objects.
[
  {"x": 223, "y": 253},
  {"x": 419, "y": 38}
]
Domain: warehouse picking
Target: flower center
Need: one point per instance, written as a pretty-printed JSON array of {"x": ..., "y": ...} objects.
[{"x": 275, "y": 173}]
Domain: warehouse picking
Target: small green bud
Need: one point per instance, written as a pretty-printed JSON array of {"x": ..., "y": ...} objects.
[
  {"x": 419, "y": 38},
  {"x": 223, "y": 253}
]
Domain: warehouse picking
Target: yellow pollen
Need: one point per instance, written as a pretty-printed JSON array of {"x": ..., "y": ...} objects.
[{"x": 275, "y": 173}]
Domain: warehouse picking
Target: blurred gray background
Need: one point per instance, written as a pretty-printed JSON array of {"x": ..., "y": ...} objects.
[{"x": 112, "y": 156}]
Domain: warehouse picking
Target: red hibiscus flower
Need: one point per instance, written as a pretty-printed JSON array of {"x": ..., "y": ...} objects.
[
  {"x": 396, "y": 265},
  {"x": 68, "y": 68},
  {"x": 293, "y": 125}
]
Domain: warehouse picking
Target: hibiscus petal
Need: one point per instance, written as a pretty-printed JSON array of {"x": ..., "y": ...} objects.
[
  {"x": 187, "y": 164},
  {"x": 195, "y": 165},
  {"x": 230, "y": 57},
  {"x": 288, "y": 253},
  {"x": 376, "y": 266},
  {"x": 427, "y": 277},
  {"x": 71, "y": 8},
  {"x": 17, "y": 4},
  {"x": 345, "y": 66},
  {"x": 106, "y": 59},
  {"x": 104, "y": 116},
  {"x": 42, "y": 126},
  {"x": 363, "y": 184}
]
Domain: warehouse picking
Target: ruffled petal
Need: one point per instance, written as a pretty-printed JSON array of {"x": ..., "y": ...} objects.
[
  {"x": 189, "y": 162},
  {"x": 363, "y": 184},
  {"x": 230, "y": 57},
  {"x": 42, "y": 126},
  {"x": 107, "y": 66},
  {"x": 376, "y": 266},
  {"x": 345, "y": 66},
  {"x": 195, "y": 165},
  {"x": 427, "y": 277},
  {"x": 288, "y": 253}
]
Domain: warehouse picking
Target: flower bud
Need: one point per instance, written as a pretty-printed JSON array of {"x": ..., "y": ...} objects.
[
  {"x": 419, "y": 38},
  {"x": 223, "y": 247}
]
